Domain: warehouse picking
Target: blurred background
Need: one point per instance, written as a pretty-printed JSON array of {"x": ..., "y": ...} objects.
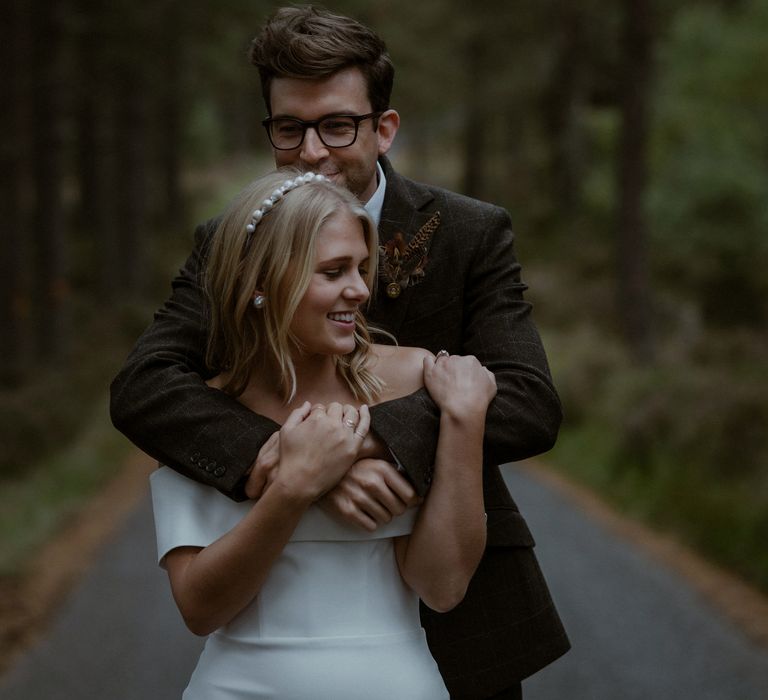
[{"x": 628, "y": 140}]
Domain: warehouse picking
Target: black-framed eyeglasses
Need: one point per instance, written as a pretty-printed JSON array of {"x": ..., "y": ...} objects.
[{"x": 335, "y": 131}]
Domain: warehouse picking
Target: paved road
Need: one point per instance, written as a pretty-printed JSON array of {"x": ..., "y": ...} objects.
[
  {"x": 118, "y": 636},
  {"x": 639, "y": 632}
]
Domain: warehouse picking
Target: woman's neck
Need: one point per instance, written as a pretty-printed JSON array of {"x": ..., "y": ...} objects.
[{"x": 317, "y": 381}]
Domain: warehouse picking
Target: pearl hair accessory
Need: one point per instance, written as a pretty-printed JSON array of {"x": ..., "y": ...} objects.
[
  {"x": 277, "y": 195},
  {"x": 259, "y": 300}
]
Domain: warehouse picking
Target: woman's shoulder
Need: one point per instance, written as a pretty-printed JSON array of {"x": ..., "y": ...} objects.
[{"x": 401, "y": 368}]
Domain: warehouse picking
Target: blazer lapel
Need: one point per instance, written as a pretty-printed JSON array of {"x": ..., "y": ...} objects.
[{"x": 405, "y": 212}]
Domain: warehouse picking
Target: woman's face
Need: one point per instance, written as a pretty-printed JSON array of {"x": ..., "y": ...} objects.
[{"x": 324, "y": 322}]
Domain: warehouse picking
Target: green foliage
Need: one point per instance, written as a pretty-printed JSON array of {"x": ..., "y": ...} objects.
[
  {"x": 37, "y": 503},
  {"x": 704, "y": 403},
  {"x": 708, "y": 199},
  {"x": 599, "y": 191},
  {"x": 45, "y": 413},
  {"x": 681, "y": 444}
]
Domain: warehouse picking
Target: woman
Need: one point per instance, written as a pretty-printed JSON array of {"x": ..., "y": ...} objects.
[{"x": 298, "y": 605}]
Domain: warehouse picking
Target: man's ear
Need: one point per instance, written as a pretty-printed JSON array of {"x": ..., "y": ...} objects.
[{"x": 389, "y": 123}]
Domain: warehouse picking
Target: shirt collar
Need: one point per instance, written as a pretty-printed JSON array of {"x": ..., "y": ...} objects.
[{"x": 375, "y": 204}]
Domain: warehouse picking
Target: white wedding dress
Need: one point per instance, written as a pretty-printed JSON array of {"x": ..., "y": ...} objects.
[{"x": 333, "y": 621}]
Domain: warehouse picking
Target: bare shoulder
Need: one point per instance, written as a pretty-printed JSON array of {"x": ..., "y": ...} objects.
[{"x": 401, "y": 368}]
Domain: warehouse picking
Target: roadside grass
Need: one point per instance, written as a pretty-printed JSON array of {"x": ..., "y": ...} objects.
[
  {"x": 726, "y": 521},
  {"x": 38, "y": 504},
  {"x": 681, "y": 446}
]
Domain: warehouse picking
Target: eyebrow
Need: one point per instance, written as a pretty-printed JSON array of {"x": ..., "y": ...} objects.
[
  {"x": 337, "y": 113},
  {"x": 341, "y": 259}
]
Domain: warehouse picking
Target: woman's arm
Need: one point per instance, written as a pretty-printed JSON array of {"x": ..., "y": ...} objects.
[
  {"x": 440, "y": 556},
  {"x": 212, "y": 585}
]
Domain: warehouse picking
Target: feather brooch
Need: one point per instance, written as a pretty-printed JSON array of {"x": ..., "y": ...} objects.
[{"x": 402, "y": 264}]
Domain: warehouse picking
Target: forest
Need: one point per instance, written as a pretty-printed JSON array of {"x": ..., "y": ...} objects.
[{"x": 627, "y": 139}]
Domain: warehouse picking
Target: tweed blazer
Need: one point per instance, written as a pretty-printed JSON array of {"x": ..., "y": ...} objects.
[{"x": 470, "y": 301}]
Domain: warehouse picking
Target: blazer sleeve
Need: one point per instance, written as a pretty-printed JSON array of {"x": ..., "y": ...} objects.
[
  {"x": 524, "y": 418},
  {"x": 409, "y": 427},
  {"x": 160, "y": 401}
]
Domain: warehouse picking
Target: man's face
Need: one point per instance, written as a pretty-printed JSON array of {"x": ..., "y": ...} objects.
[{"x": 344, "y": 92}]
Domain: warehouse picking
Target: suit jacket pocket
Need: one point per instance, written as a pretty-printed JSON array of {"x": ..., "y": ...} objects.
[{"x": 507, "y": 528}]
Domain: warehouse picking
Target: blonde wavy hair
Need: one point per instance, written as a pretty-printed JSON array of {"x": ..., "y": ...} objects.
[{"x": 278, "y": 259}]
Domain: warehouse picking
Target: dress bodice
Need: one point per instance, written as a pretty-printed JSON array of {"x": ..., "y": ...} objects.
[
  {"x": 332, "y": 579},
  {"x": 333, "y": 615}
]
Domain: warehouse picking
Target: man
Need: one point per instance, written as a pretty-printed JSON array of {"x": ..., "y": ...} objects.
[{"x": 449, "y": 281}]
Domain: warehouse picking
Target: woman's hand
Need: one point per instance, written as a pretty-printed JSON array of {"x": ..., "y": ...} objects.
[
  {"x": 317, "y": 445},
  {"x": 459, "y": 384}
]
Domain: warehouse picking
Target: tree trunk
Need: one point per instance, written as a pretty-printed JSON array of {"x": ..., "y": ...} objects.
[
  {"x": 634, "y": 292},
  {"x": 94, "y": 141},
  {"x": 51, "y": 283},
  {"x": 14, "y": 301},
  {"x": 172, "y": 102},
  {"x": 476, "y": 125},
  {"x": 131, "y": 212},
  {"x": 561, "y": 104}
]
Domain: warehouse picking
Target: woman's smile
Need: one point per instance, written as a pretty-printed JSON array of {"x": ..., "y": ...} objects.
[
  {"x": 324, "y": 322},
  {"x": 343, "y": 317}
]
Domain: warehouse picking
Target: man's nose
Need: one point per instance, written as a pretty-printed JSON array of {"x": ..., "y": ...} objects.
[{"x": 312, "y": 148}]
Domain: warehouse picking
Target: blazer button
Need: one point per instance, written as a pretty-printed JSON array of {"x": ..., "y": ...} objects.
[
  {"x": 211, "y": 466},
  {"x": 203, "y": 462},
  {"x": 195, "y": 456},
  {"x": 220, "y": 471}
]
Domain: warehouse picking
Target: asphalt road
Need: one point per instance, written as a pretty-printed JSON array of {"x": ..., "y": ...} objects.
[{"x": 639, "y": 632}]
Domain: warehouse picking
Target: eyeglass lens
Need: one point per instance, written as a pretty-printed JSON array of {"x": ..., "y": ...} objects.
[{"x": 335, "y": 132}]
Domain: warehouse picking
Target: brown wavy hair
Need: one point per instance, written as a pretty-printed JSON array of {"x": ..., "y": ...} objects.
[
  {"x": 277, "y": 259},
  {"x": 311, "y": 42}
]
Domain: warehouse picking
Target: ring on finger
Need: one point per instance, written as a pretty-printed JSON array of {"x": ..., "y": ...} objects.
[
  {"x": 442, "y": 353},
  {"x": 350, "y": 423},
  {"x": 360, "y": 435}
]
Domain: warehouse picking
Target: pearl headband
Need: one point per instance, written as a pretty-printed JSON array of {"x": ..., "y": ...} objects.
[{"x": 278, "y": 194}]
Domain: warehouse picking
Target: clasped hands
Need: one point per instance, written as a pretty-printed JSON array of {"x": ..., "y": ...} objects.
[
  {"x": 331, "y": 448},
  {"x": 362, "y": 486}
]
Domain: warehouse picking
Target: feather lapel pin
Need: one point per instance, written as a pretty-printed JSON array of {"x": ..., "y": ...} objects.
[{"x": 402, "y": 264}]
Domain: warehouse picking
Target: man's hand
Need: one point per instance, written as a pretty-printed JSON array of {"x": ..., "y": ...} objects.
[
  {"x": 370, "y": 494},
  {"x": 264, "y": 468}
]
